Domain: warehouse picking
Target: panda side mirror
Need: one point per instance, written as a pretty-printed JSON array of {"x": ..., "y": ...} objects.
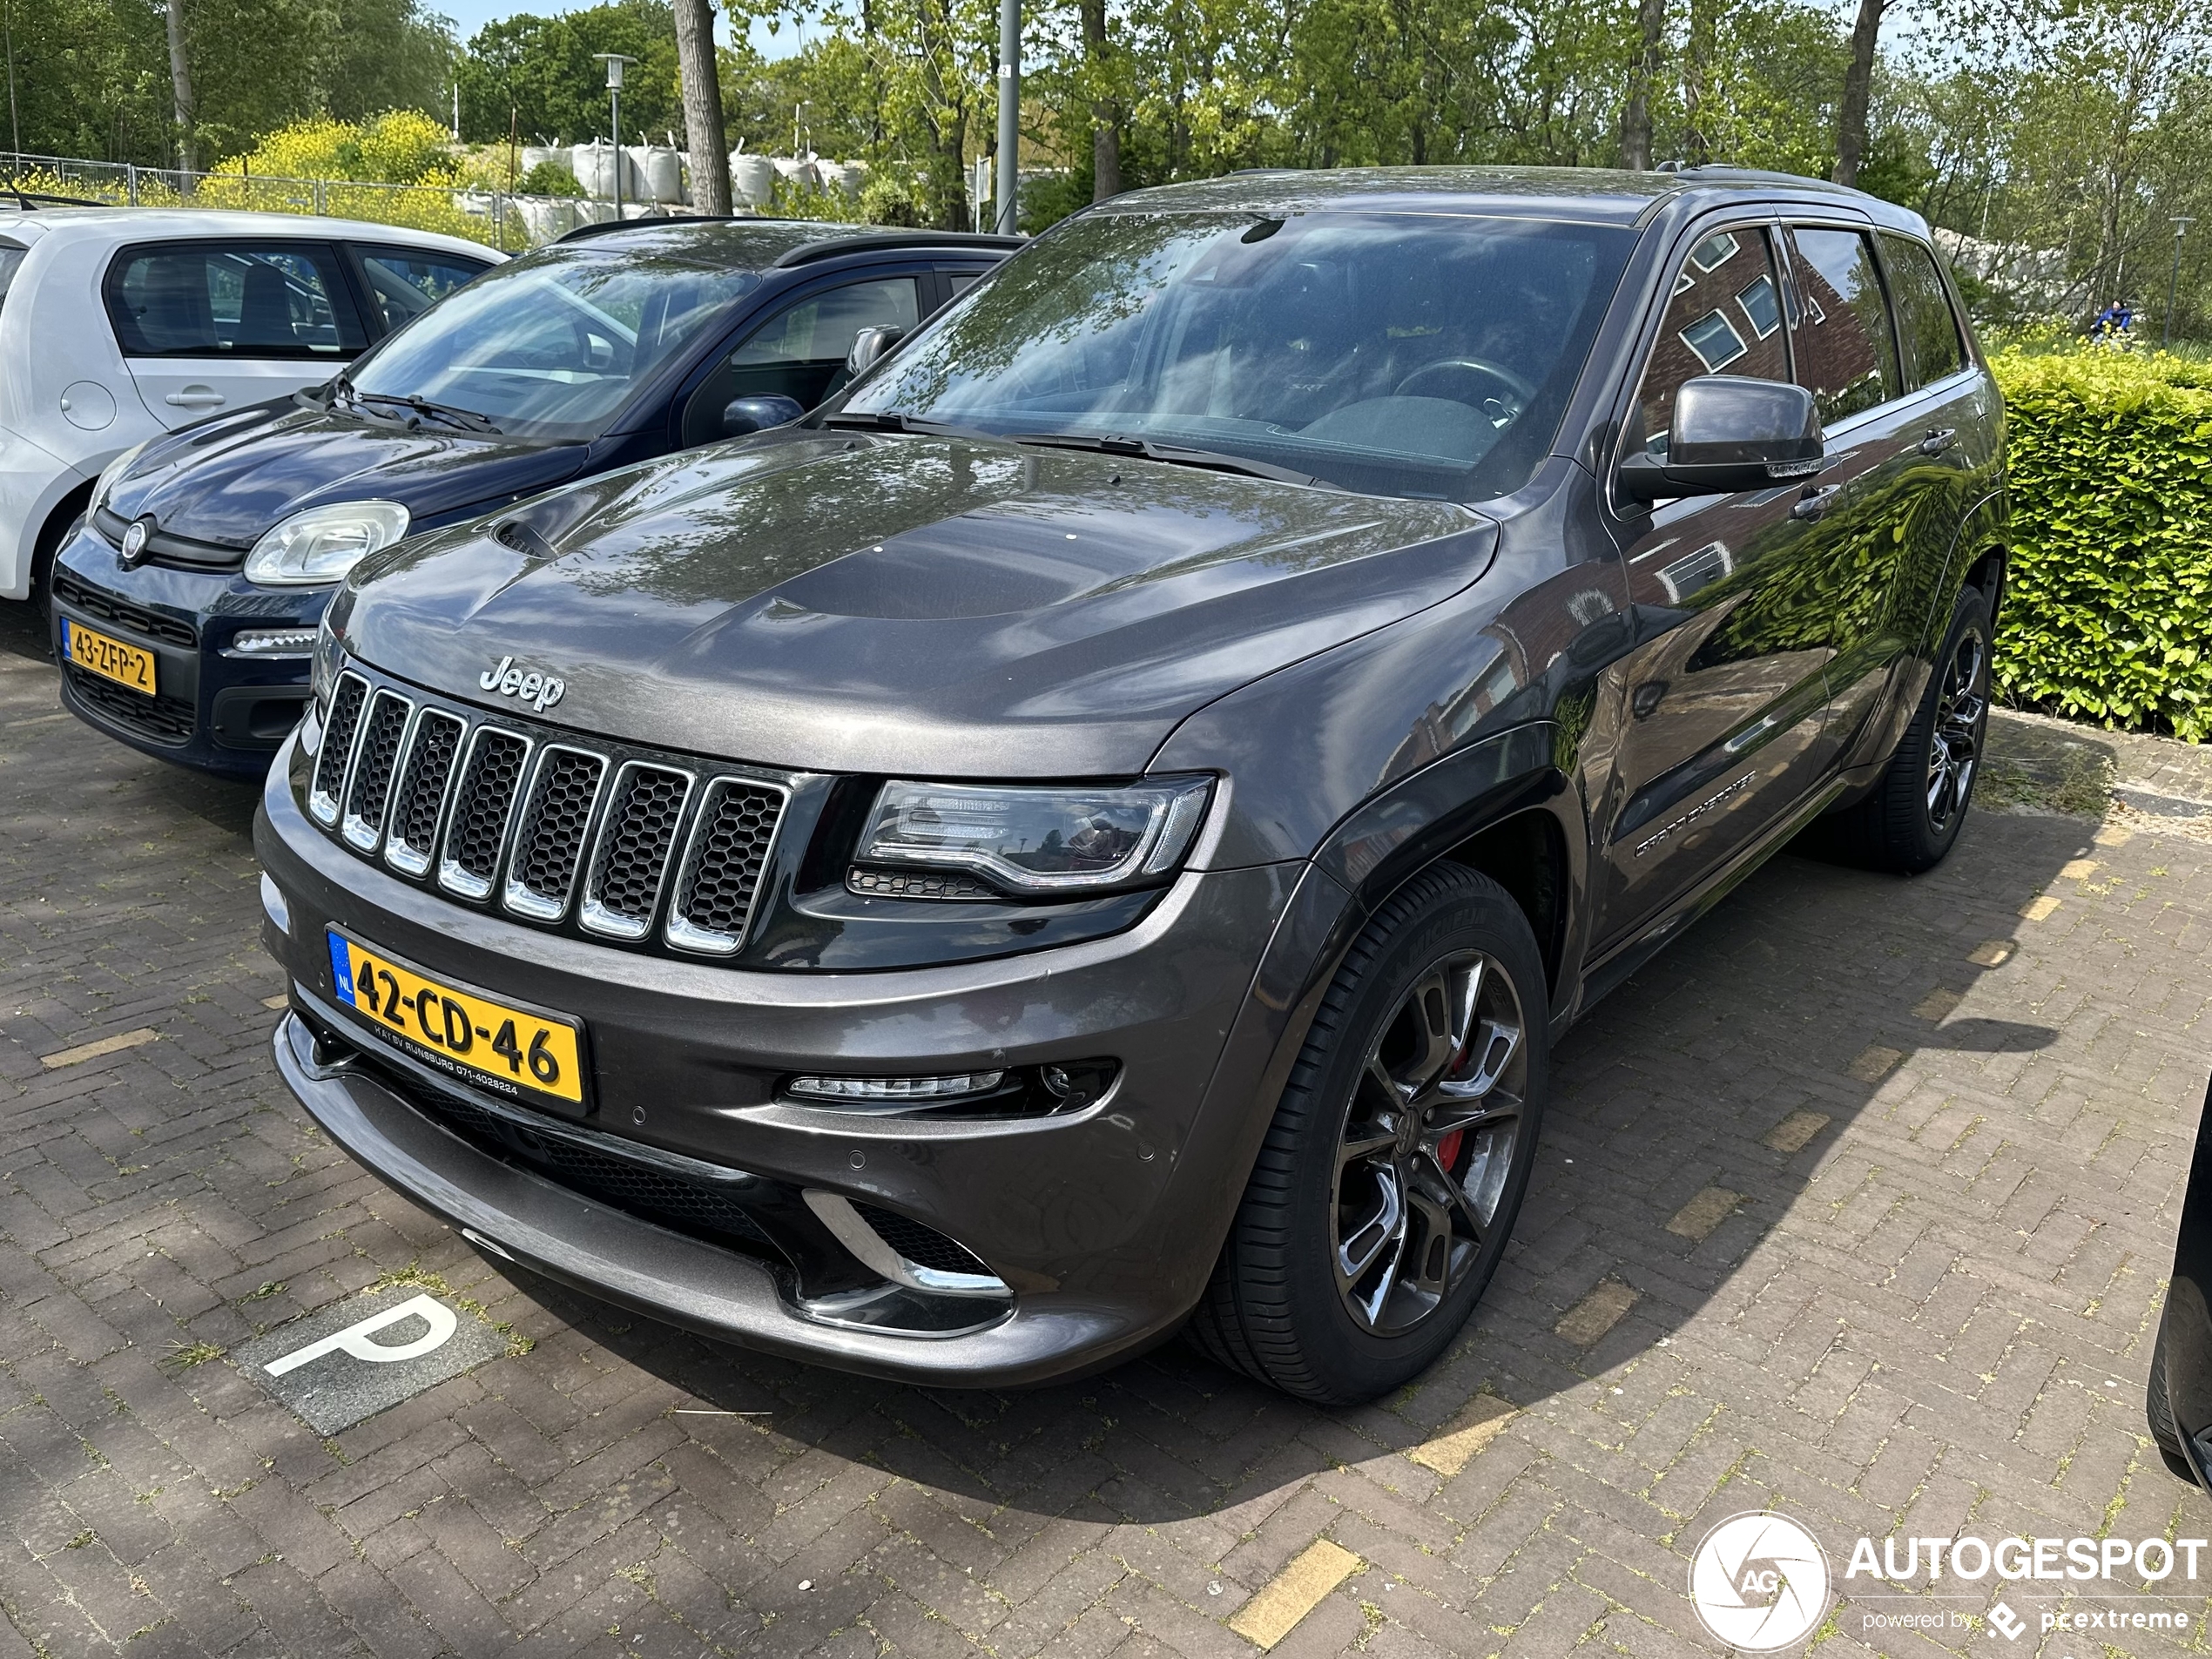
[{"x": 870, "y": 346}]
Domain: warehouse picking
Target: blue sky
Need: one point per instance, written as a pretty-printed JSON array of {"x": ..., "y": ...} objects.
[{"x": 469, "y": 15}]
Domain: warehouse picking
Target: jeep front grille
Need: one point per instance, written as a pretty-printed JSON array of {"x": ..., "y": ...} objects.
[{"x": 635, "y": 849}]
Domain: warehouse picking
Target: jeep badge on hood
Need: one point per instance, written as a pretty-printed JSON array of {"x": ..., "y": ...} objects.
[{"x": 540, "y": 692}]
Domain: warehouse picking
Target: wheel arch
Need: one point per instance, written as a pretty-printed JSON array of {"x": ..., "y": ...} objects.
[
  {"x": 53, "y": 530},
  {"x": 1504, "y": 807}
]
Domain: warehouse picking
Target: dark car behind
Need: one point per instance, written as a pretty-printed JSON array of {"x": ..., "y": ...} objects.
[{"x": 185, "y": 607}]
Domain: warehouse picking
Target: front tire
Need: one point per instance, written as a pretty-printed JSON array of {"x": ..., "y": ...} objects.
[
  {"x": 1911, "y": 821},
  {"x": 1381, "y": 1201}
]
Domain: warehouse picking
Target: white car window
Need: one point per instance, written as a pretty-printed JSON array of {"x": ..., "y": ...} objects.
[{"x": 232, "y": 300}]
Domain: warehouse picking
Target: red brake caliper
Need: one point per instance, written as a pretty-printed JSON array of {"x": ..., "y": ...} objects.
[{"x": 1448, "y": 1149}]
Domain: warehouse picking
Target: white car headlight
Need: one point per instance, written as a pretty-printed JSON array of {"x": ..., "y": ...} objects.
[
  {"x": 113, "y": 470},
  {"x": 321, "y": 544},
  {"x": 1039, "y": 840}
]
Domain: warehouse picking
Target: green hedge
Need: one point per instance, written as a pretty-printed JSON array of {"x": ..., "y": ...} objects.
[{"x": 2108, "y": 607}]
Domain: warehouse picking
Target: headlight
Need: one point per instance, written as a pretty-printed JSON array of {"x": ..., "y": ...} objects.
[
  {"x": 1039, "y": 840},
  {"x": 330, "y": 648},
  {"x": 322, "y": 543},
  {"x": 109, "y": 473}
]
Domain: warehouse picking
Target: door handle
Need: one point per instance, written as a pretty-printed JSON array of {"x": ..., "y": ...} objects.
[
  {"x": 195, "y": 397},
  {"x": 1816, "y": 502},
  {"x": 1939, "y": 439}
]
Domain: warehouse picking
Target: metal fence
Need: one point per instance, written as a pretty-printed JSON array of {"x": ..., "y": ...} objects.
[{"x": 498, "y": 218}]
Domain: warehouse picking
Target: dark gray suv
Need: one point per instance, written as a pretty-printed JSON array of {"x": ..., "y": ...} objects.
[{"x": 1103, "y": 822}]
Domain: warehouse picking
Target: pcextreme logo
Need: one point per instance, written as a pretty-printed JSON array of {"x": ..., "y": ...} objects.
[{"x": 1759, "y": 1581}]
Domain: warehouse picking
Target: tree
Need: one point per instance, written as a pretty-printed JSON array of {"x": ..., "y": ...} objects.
[
  {"x": 540, "y": 73},
  {"x": 1643, "y": 77},
  {"x": 702, "y": 93},
  {"x": 1858, "y": 89}
]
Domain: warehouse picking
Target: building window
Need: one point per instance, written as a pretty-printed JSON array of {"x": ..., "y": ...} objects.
[
  {"x": 1760, "y": 307},
  {"x": 1715, "y": 341},
  {"x": 1715, "y": 252}
]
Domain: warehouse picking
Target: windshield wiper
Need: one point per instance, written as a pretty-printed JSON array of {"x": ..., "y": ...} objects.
[
  {"x": 1173, "y": 454},
  {"x": 893, "y": 421},
  {"x": 469, "y": 420}
]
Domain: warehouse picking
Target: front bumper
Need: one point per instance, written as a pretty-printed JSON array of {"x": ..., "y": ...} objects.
[
  {"x": 1102, "y": 1223},
  {"x": 213, "y": 711}
]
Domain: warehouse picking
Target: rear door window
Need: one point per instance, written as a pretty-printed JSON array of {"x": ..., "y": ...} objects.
[
  {"x": 1846, "y": 352},
  {"x": 232, "y": 300},
  {"x": 1724, "y": 318},
  {"x": 1932, "y": 347},
  {"x": 403, "y": 283}
]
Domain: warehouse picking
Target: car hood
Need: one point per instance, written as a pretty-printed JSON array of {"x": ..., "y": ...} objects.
[
  {"x": 953, "y": 607},
  {"x": 227, "y": 481}
]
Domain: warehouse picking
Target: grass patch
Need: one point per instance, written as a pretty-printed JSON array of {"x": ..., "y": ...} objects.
[{"x": 183, "y": 1356}]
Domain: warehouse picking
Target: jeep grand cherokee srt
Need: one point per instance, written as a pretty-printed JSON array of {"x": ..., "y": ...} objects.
[{"x": 1097, "y": 829}]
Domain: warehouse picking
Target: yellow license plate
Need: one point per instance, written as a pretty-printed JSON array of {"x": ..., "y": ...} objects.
[
  {"x": 517, "y": 1052},
  {"x": 109, "y": 658}
]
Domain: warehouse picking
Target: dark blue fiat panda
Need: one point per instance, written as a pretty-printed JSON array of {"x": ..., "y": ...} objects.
[{"x": 185, "y": 608}]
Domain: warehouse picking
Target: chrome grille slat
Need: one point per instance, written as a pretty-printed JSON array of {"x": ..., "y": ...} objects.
[
  {"x": 483, "y": 806},
  {"x": 327, "y": 785},
  {"x": 629, "y": 862},
  {"x": 555, "y": 817},
  {"x": 420, "y": 803},
  {"x": 630, "y": 846},
  {"x": 723, "y": 865},
  {"x": 369, "y": 791}
]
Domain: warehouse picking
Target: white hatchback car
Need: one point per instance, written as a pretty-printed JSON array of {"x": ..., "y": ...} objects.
[{"x": 119, "y": 323}]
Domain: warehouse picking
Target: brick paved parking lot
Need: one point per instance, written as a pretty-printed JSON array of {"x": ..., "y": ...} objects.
[{"x": 1858, "y": 1204}]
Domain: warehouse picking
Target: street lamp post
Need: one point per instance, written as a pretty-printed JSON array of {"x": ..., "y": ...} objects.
[
  {"x": 614, "y": 61},
  {"x": 2174, "y": 280},
  {"x": 1009, "y": 155}
]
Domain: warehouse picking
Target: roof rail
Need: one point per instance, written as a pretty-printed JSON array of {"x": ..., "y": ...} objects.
[
  {"x": 873, "y": 241},
  {"x": 585, "y": 232}
]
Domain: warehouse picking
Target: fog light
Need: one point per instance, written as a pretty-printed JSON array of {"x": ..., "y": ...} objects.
[
  {"x": 273, "y": 642},
  {"x": 896, "y": 1090}
]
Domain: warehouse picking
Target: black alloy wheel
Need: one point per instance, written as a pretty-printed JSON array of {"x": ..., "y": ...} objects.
[
  {"x": 1428, "y": 1137},
  {"x": 1912, "y": 817},
  {"x": 1385, "y": 1192},
  {"x": 1961, "y": 717}
]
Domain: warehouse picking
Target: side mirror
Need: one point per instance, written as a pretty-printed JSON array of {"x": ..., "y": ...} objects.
[
  {"x": 870, "y": 346},
  {"x": 1731, "y": 432},
  {"x": 743, "y": 415}
]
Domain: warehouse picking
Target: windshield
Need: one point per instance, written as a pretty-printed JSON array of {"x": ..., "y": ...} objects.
[
  {"x": 551, "y": 345},
  {"x": 1395, "y": 355}
]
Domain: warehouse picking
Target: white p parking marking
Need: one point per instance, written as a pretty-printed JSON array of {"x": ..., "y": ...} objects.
[{"x": 354, "y": 1339}]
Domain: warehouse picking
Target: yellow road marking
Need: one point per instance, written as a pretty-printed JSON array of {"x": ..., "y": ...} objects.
[
  {"x": 1795, "y": 1131},
  {"x": 1597, "y": 1313},
  {"x": 1991, "y": 952},
  {"x": 1874, "y": 1062},
  {"x": 1293, "y": 1593},
  {"x": 93, "y": 1050},
  {"x": 1697, "y": 1219},
  {"x": 1480, "y": 1422}
]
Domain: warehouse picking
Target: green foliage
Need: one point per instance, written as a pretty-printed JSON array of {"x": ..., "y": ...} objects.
[
  {"x": 2108, "y": 612},
  {"x": 540, "y": 74},
  {"x": 549, "y": 179}
]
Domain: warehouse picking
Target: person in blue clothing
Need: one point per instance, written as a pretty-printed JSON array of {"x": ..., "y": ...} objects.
[{"x": 2113, "y": 323}]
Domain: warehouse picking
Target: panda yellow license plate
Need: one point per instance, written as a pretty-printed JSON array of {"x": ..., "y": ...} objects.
[
  {"x": 530, "y": 1055},
  {"x": 112, "y": 659}
]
